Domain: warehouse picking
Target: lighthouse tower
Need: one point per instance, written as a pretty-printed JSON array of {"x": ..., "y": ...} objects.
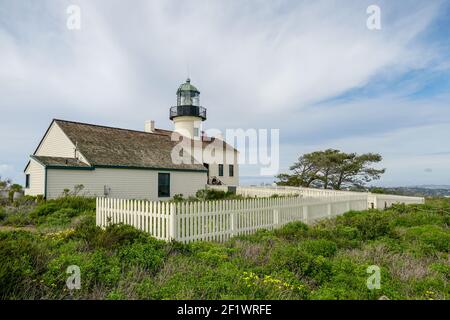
[{"x": 188, "y": 115}]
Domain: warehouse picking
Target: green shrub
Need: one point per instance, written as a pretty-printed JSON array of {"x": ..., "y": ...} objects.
[
  {"x": 178, "y": 198},
  {"x": 278, "y": 285},
  {"x": 343, "y": 236},
  {"x": 45, "y": 209},
  {"x": 97, "y": 269},
  {"x": 346, "y": 232},
  {"x": 211, "y": 194},
  {"x": 430, "y": 288},
  {"x": 149, "y": 256},
  {"x": 274, "y": 195},
  {"x": 370, "y": 224},
  {"x": 431, "y": 237},
  {"x": 87, "y": 230},
  {"x": 211, "y": 253},
  {"x": 75, "y": 203},
  {"x": 26, "y": 201},
  {"x": 80, "y": 204},
  {"x": 18, "y": 219},
  {"x": 116, "y": 295},
  {"x": 441, "y": 268},
  {"x": 60, "y": 218},
  {"x": 347, "y": 280},
  {"x": 23, "y": 257},
  {"x": 292, "y": 231},
  {"x": 413, "y": 219},
  {"x": 261, "y": 236},
  {"x": 318, "y": 247},
  {"x": 186, "y": 277},
  {"x": 295, "y": 259},
  {"x": 119, "y": 235},
  {"x": 114, "y": 236},
  {"x": 175, "y": 247}
]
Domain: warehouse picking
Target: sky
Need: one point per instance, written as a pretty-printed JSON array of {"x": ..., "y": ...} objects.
[{"x": 309, "y": 68}]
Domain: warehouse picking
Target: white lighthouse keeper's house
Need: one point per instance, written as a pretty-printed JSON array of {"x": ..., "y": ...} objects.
[{"x": 123, "y": 163}]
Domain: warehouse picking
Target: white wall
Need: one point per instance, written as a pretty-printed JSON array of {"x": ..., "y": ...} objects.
[
  {"x": 124, "y": 183},
  {"x": 37, "y": 179},
  {"x": 214, "y": 153},
  {"x": 57, "y": 144},
  {"x": 221, "y": 156},
  {"x": 226, "y": 179},
  {"x": 185, "y": 126}
]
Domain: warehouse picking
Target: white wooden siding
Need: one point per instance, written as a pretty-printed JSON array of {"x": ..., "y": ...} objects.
[
  {"x": 57, "y": 144},
  {"x": 214, "y": 168},
  {"x": 124, "y": 183},
  {"x": 37, "y": 178}
]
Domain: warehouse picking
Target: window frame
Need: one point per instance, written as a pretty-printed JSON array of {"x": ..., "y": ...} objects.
[{"x": 160, "y": 192}]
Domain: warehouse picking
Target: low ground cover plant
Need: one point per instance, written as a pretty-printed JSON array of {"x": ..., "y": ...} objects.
[{"x": 328, "y": 260}]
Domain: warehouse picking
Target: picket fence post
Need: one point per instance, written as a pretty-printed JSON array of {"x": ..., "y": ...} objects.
[
  {"x": 275, "y": 218},
  {"x": 173, "y": 223},
  {"x": 305, "y": 214},
  {"x": 232, "y": 224},
  {"x": 97, "y": 211}
]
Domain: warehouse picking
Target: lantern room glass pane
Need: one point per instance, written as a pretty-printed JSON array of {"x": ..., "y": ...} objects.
[
  {"x": 188, "y": 98},
  {"x": 196, "y": 100}
]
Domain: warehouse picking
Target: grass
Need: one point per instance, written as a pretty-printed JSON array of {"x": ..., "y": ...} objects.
[{"x": 329, "y": 260}]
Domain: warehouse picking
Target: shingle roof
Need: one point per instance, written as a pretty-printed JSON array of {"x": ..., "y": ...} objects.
[
  {"x": 60, "y": 161},
  {"x": 108, "y": 146}
]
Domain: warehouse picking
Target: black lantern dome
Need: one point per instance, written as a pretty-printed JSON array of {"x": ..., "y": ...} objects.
[{"x": 188, "y": 102}]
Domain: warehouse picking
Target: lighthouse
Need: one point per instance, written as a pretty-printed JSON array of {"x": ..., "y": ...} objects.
[{"x": 188, "y": 115}]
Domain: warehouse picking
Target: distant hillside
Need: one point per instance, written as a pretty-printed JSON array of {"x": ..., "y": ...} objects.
[
  {"x": 434, "y": 186},
  {"x": 423, "y": 191}
]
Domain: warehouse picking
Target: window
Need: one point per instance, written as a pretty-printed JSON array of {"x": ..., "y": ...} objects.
[
  {"x": 163, "y": 185},
  {"x": 231, "y": 170},
  {"x": 196, "y": 132},
  {"x": 27, "y": 181},
  {"x": 220, "y": 170}
]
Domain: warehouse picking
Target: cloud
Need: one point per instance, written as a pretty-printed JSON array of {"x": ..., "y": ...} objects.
[
  {"x": 406, "y": 152},
  {"x": 5, "y": 169},
  {"x": 277, "y": 64}
]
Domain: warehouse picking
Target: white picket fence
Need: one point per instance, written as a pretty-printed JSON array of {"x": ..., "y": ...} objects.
[
  {"x": 153, "y": 217},
  {"x": 267, "y": 191},
  {"x": 382, "y": 201},
  {"x": 259, "y": 192},
  {"x": 220, "y": 220}
]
